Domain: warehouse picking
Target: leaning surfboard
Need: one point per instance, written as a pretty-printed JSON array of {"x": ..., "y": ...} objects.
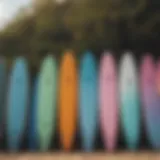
[
  {"x": 46, "y": 102},
  {"x": 151, "y": 101},
  {"x": 108, "y": 96},
  {"x": 32, "y": 139},
  {"x": 129, "y": 101},
  {"x": 67, "y": 101},
  {"x": 88, "y": 101},
  {"x": 17, "y": 103},
  {"x": 3, "y": 84}
]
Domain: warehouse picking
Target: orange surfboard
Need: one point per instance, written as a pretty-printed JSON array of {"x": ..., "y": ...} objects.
[{"x": 68, "y": 101}]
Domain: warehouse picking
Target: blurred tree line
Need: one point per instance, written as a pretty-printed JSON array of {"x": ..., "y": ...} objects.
[{"x": 83, "y": 24}]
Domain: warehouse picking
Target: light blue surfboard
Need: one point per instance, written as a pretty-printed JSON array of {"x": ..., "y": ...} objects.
[
  {"x": 32, "y": 139},
  {"x": 3, "y": 84},
  {"x": 129, "y": 101},
  {"x": 88, "y": 101},
  {"x": 17, "y": 103}
]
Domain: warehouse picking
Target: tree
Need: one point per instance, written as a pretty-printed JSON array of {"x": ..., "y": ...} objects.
[
  {"x": 109, "y": 21},
  {"x": 80, "y": 25}
]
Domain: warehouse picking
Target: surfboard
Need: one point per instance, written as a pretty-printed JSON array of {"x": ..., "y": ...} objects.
[
  {"x": 88, "y": 100},
  {"x": 150, "y": 101},
  {"x": 129, "y": 101},
  {"x": 32, "y": 137},
  {"x": 67, "y": 101},
  {"x": 158, "y": 77},
  {"x": 17, "y": 103},
  {"x": 3, "y": 87},
  {"x": 46, "y": 102},
  {"x": 108, "y": 98}
]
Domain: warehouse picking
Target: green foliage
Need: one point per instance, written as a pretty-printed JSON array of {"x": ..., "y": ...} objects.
[{"x": 80, "y": 25}]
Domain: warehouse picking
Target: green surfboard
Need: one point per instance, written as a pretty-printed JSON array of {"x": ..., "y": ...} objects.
[{"x": 46, "y": 105}]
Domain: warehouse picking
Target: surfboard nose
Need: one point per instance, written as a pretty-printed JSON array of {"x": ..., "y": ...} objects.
[
  {"x": 148, "y": 70},
  {"x": 147, "y": 63},
  {"x": 68, "y": 57}
]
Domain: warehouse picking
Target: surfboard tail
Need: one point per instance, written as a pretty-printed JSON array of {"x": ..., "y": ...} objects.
[
  {"x": 87, "y": 143},
  {"x": 88, "y": 138},
  {"x": 88, "y": 131},
  {"x": 67, "y": 128},
  {"x": 110, "y": 140},
  {"x": 32, "y": 143},
  {"x": 67, "y": 141},
  {"x": 45, "y": 144},
  {"x": 45, "y": 137},
  {"x": 109, "y": 132},
  {"x": 13, "y": 143},
  {"x": 153, "y": 121},
  {"x": 109, "y": 123},
  {"x": 132, "y": 130}
]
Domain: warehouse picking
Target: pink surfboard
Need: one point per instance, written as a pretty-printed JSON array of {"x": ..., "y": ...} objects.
[
  {"x": 108, "y": 101},
  {"x": 158, "y": 77}
]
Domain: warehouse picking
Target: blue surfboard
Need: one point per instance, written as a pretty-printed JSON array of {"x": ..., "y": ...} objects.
[
  {"x": 17, "y": 103},
  {"x": 32, "y": 139},
  {"x": 3, "y": 84},
  {"x": 88, "y": 101}
]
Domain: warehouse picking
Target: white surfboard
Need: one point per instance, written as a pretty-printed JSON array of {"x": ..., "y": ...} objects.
[{"x": 129, "y": 100}]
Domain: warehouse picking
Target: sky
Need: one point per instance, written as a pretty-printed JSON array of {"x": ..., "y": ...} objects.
[{"x": 8, "y": 9}]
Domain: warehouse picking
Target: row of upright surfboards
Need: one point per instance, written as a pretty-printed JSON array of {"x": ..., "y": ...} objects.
[{"x": 87, "y": 95}]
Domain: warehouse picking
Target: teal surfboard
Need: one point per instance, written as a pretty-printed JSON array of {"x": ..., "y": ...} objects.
[
  {"x": 46, "y": 102},
  {"x": 88, "y": 101},
  {"x": 129, "y": 101},
  {"x": 3, "y": 84},
  {"x": 17, "y": 103}
]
